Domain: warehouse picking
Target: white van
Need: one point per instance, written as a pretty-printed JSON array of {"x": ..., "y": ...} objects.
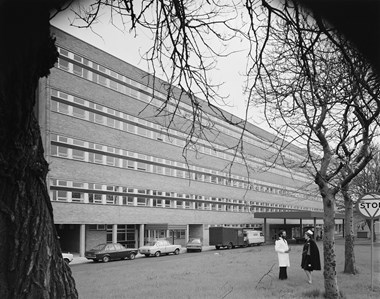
[{"x": 253, "y": 237}]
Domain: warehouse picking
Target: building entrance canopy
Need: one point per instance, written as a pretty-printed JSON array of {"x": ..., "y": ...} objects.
[
  {"x": 301, "y": 215},
  {"x": 294, "y": 215}
]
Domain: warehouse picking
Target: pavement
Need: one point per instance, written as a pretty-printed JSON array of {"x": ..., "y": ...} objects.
[
  {"x": 338, "y": 240},
  {"x": 82, "y": 260}
]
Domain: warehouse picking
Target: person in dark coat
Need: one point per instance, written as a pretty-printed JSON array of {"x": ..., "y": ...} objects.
[{"x": 310, "y": 256}]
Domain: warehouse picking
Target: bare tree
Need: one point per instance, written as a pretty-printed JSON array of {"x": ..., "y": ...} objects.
[
  {"x": 31, "y": 265},
  {"x": 30, "y": 256},
  {"x": 317, "y": 90}
]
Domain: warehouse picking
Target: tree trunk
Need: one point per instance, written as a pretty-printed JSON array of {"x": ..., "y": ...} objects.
[
  {"x": 329, "y": 257},
  {"x": 31, "y": 265},
  {"x": 349, "y": 254}
]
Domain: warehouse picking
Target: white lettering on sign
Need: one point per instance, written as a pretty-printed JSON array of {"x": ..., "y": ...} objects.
[{"x": 369, "y": 205}]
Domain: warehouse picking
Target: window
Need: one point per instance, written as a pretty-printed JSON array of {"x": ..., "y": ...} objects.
[
  {"x": 98, "y": 158},
  {"x": 62, "y": 195},
  {"x": 141, "y": 131},
  {"x": 158, "y": 169},
  {"x": 62, "y": 151},
  {"x": 157, "y": 202},
  {"x": 141, "y": 166},
  {"x": 99, "y": 119},
  {"x": 110, "y": 122},
  {"x": 63, "y": 64},
  {"x": 128, "y": 200},
  {"x": 78, "y": 154},
  {"x": 95, "y": 198},
  {"x": 102, "y": 80},
  {"x": 77, "y": 196},
  {"x": 77, "y": 70},
  {"x": 63, "y": 52},
  {"x": 97, "y": 227},
  {"x": 141, "y": 201},
  {"x": 78, "y": 112},
  {"x": 63, "y": 108},
  {"x": 54, "y": 150},
  {"x": 110, "y": 160},
  {"x": 111, "y": 199}
]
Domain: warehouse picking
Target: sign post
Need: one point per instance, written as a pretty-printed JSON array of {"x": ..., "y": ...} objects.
[{"x": 369, "y": 206}]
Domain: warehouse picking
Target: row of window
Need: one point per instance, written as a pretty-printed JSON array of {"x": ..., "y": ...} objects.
[
  {"x": 120, "y": 83},
  {"x": 79, "y": 108},
  {"x": 68, "y": 191},
  {"x": 75, "y": 149}
]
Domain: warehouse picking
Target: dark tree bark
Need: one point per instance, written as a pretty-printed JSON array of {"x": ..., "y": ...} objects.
[
  {"x": 31, "y": 265},
  {"x": 349, "y": 254},
  {"x": 329, "y": 256}
]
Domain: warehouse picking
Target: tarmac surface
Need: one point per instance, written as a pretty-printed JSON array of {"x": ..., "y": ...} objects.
[{"x": 338, "y": 240}]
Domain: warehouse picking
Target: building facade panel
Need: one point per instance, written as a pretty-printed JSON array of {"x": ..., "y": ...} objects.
[
  {"x": 76, "y": 213},
  {"x": 118, "y": 174}
]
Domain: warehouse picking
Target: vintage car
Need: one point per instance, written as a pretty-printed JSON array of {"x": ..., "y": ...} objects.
[
  {"x": 159, "y": 247},
  {"x": 194, "y": 245},
  {"x": 67, "y": 257},
  {"x": 111, "y": 251}
]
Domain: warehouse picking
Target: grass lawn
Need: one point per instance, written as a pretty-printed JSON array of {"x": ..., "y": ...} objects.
[{"x": 239, "y": 273}]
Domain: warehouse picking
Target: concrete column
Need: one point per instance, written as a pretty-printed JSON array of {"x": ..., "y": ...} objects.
[
  {"x": 82, "y": 239},
  {"x": 114, "y": 233},
  {"x": 187, "y": 233},
  {"x": 69, "y": 196},
  {"x": 265, "y": 230},
  {"x": 141, "y": 235}
]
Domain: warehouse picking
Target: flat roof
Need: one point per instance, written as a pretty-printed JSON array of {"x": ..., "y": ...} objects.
[{"x": 294, "y": 215}]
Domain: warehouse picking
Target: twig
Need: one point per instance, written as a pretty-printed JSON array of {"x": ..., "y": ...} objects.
[{"x": 268, "y": 273}]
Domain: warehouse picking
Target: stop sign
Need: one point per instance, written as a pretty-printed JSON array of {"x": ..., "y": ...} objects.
[{"x": 369, "y": 205}]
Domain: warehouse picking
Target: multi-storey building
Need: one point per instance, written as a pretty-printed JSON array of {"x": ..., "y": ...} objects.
[{"x": 118, "y": 174}]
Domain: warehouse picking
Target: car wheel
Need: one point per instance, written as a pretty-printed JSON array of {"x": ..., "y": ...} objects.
[
  {"x": 176, "y": 252},
  {"x": 147, "y": 255},
  {"x": 217, "y": 247},
  {"x": 132, "y": 256},
  {"x": 230, "y": 246},
  {"x": 188, "y": 250},
  {"x": 200, "y": 250},
  {"x": 157, "y": 254},
  {"x": 106, "y": 259}
]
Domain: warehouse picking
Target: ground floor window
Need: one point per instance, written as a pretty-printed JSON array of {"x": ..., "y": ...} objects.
[{"x": 126, "y": 235}]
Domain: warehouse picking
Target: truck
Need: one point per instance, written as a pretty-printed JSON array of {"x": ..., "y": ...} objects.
[
  {"x": 253, "y": 237},
  {"x": 229, "y": 237}
]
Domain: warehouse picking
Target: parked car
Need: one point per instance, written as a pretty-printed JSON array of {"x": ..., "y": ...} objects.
[
  {"x": 111, "y": 251},
  {"x": 67, "y": 257},
  {"x": 159, "y": 247},
  {"x": 194, "y": 245}
]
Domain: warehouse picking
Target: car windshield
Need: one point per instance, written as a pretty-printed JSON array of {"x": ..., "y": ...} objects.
[
  {"x": 99, "y": 247},
  {"x": 195, "y": 241}
]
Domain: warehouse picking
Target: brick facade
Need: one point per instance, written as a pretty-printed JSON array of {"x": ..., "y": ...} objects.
[{"x": 71, "y": 179}]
